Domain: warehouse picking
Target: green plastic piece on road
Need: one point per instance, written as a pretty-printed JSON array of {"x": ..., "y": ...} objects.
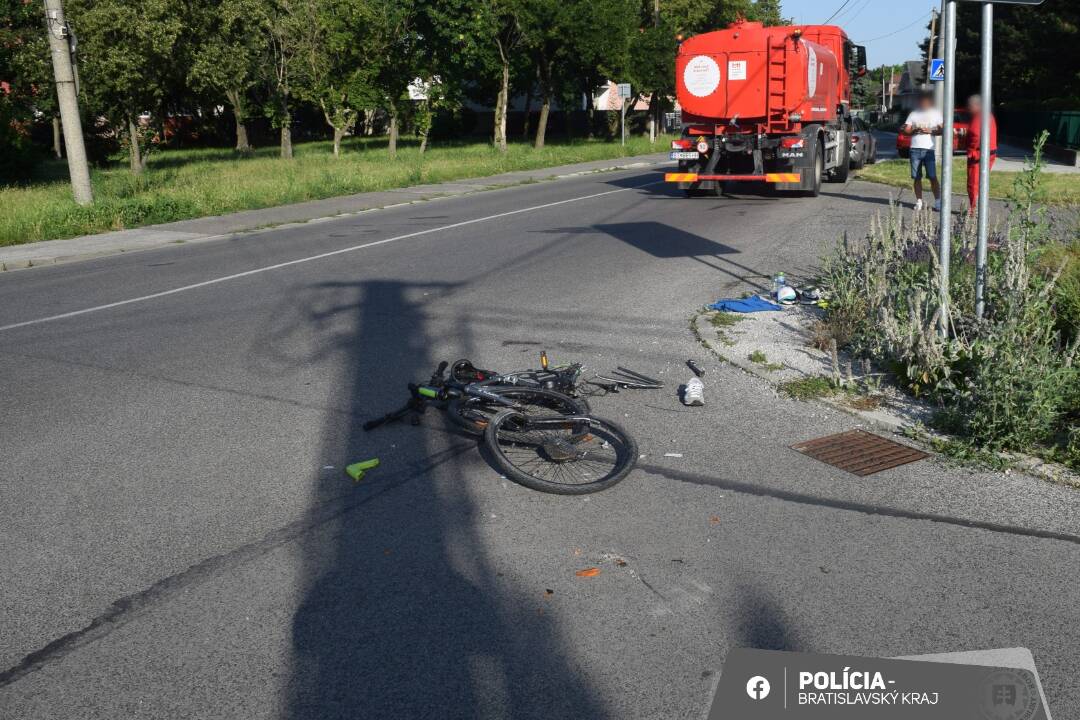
[
  {"x": 428, "y": 392},
  {"x": 356, "y": 470}
]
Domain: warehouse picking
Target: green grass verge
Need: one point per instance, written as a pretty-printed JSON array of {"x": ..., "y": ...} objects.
[
  {"x": 808, "y": 388},
  {"x": 1058, "y": 188},
  {"x": 183, "y": 184}
]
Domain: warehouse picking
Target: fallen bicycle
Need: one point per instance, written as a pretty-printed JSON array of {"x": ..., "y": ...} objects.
[{"x": 538, "y": 435}]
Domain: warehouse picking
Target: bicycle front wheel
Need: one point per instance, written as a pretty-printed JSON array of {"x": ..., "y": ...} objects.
[
  {"x": 474, "y": 414},
  {"x": 562, "y": 455}
]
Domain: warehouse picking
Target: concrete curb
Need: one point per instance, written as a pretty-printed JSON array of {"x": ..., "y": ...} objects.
[
  {"x": 1028, "y": 464},
  {"x": 88, "y": 247}
]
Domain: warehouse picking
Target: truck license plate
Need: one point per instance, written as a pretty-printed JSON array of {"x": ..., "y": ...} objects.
[{"x": 685, "y": 155}]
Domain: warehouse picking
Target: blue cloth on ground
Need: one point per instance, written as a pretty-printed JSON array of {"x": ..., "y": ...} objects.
[{"x": 745, "y": 305}]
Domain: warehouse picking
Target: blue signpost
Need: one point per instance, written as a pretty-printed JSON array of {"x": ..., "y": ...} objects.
[{"x": 937, "y": 69}]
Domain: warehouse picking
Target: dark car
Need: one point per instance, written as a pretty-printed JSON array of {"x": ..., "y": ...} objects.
[{"x": 863, "y": 144}]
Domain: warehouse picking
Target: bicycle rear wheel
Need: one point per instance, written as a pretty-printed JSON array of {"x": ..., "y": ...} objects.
[
  {"x": 473, "y": 414},
  {"x": 562, "y": 455}
]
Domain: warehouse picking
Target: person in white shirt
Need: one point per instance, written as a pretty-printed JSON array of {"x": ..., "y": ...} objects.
[{"x": 922, "y": 125}]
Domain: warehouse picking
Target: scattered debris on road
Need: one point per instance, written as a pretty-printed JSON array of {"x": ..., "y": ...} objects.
[
  {"x": 750, "y": 304},
  {"x": 356, "y": 470},
  {"x": 693, "y": 393},
  {"x": 588, "y": 572},
  {"x": 626, "y": 378}
]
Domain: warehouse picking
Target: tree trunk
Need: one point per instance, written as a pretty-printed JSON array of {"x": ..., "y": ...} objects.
[
  {"x": 237, "y": 101},
  {"x": 654, "y": 101},
  {"x": 543, "y": 71},
  {"x": 134, "y": 152},
  {"x": 58, "y": 147},
  {"x": 501, "y": 106},
  {"x": 242, "y": 143},
  {"x": 423, "y": 142},
  {"x": 528, "y": 112},
  {"x": 541, "y": 124},
  {"x": 338, "y": 134},
  {"x": 286, "y": 141},
  {"x": 286, "y": 129},
  {"x": 393, "y": 132}
]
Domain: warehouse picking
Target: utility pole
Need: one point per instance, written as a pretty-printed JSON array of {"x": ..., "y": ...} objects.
[
  {"x": 930, "y": 48},
  {"x": 67, "y": 95},
  {"x": 945, "y": 219}
]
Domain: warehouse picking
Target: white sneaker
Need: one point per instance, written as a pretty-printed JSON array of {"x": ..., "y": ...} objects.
[
  {"x": 694, "y": 394},
  {"x": 918, "y": 205},
  {"x": 937, "y": 205}
]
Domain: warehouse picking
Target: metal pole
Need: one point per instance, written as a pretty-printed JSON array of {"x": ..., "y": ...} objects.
[
  {"x": 68, "y": 100},
  {"x": 945, "y": 221},
  {"x": 984, "y": 156},
  {"x": 622, "y": 120}
]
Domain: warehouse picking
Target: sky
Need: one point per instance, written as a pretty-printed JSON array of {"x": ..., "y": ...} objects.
[{"x": 866, "y": 21}]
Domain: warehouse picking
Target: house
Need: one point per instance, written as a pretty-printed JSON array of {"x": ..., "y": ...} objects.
[
  {"x": 912, "y": 83},
  {"x": 607, "y": 98}
]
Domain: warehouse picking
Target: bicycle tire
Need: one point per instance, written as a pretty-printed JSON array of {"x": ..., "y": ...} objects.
[
  {"x": 473, "y": 414},
  {"x": 530, "y": 461}
]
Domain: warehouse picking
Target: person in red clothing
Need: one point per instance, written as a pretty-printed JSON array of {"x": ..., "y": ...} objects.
[{"x": 974, "y": 136}]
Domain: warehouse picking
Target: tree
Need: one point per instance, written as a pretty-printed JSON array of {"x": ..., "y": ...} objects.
[
  {"x": 126, "y": 55},
  {"x": 482, "y": 39},
  {"x": 571, "y": 41},
  {"x": 1036, "y": 48},
  {"x": 228, "y": 44},
  {"x": 395, "y": 50},
  {"x": 328, "y": 41},
  {"x": 26, "y": 69}
]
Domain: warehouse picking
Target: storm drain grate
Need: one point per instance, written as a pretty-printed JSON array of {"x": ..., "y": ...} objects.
[{"x": 859, "y": 452}]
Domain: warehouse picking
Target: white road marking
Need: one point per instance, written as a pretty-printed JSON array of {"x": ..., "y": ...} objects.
[{"x": 298, "y": 261}]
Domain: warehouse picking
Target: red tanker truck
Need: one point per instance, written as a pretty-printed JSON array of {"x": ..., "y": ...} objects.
[{"x": 765, "y": 104}]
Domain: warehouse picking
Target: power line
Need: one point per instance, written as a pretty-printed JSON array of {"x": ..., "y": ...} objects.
[
  {"x": 858, "y": 12},
  {"x": 837, "y": 11},
  {"x": 844, "y": 11},
  {"x": 894, "y": 32}
]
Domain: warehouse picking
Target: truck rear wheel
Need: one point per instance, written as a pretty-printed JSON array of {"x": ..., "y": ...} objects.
[{"x": 818, "y": 169}]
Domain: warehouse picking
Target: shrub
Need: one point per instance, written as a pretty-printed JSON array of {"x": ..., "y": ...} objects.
[{"x": 1007, "y": 381}]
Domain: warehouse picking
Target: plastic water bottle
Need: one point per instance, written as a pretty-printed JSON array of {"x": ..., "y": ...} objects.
[
  {"x": 778, "y": 282},
  {"x": 694, "y": 392}
]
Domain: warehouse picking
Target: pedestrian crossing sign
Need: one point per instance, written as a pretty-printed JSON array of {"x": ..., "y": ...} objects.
[{"x": 937, "y": 70}]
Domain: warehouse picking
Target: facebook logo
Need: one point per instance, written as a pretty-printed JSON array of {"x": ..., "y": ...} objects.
[{"x": 757, "y": 688}]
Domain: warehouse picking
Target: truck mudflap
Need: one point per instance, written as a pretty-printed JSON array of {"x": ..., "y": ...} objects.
[{"x": 783, "y": 177}]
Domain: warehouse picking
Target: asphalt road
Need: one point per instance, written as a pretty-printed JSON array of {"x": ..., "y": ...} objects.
[{"x": 179, "y": 539}]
